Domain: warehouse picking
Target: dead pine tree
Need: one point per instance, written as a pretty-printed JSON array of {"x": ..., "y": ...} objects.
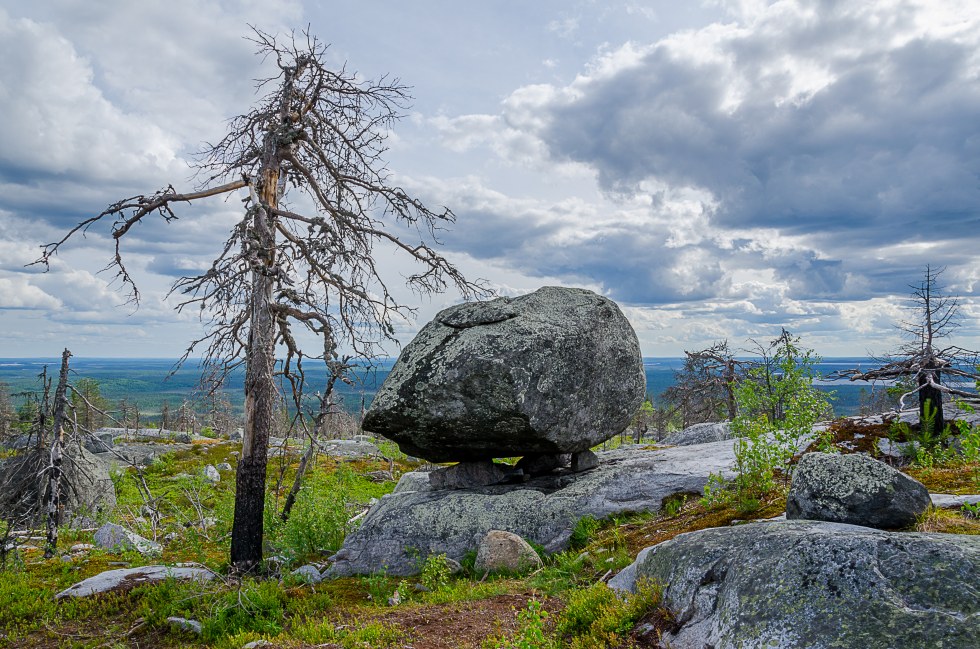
[
  {"x": 925, "y": 359},
  {"x": 704, "y": 389},
  {"x": 316, "y": 138},
  {"x": 55, "y": 472}
]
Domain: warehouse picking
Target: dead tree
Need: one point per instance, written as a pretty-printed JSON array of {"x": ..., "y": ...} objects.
[
  {"x": 704, "y": 389},
  {"x": 320, "y": 134},
  {"x": 923, "y": 358},
  {"x": 54, "y": 508}
]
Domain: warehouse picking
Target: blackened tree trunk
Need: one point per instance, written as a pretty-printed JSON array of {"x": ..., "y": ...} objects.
[
  {"x": 929, "y": 393},
  {"x": 54, "y": 505}
]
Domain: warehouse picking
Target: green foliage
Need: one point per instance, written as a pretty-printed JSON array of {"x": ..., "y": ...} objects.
[
  {"x": 927, "y": 447},
  {"x": 435, "y": 573},
  {"x": 599, "y": 617},
  {"x": 318, "y": 520},
  {"x": 530, "y": 632},
  {"x": 322, "y": 632},
  {"x": 777, "y": 408},
  {"x": 585, "y": 528}
]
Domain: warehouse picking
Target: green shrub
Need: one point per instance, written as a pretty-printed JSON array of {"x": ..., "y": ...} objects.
[
  {"x": 585, "y": 528},
  {"x": 530, "y": 631},
  {"x": 598, "y": 617},
  {"x": 435, "y": 572}
]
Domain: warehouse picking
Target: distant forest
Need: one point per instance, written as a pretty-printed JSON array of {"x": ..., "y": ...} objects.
[{"x": 147, "y": 383}]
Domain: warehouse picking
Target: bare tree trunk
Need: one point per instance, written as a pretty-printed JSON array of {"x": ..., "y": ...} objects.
[
  {"x": 57, "y": 454},
  {"x": 260, "y": 387},
  {"x": 933, "y": 395}
]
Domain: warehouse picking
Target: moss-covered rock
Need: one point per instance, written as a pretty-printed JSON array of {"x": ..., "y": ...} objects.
[
  {"x": 816, "y": 584},
  {"x": 855, "y": 489}
]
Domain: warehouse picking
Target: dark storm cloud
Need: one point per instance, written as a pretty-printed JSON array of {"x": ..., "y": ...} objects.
[{"x": 892, "y": 139}]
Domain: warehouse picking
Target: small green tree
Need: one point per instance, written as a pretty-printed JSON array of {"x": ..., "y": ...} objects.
[
  {"x": 89, "y": 404},
  {"x": 777, "y": 407}
]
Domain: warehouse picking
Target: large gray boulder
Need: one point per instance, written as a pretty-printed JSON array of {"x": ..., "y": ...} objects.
[
  {"x": 418, "y": 520},
  {"x": 817, "y": 585},
  {"x": 855, "y": 489},
  {"x": 555, "y": 371}
]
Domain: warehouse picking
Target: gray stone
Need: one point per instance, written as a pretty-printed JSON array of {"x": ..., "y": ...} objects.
[
  {"x": 128, "y": 578},
  {"x": 854, "y": 489},
  {"x": 892, "y": 449},
  {"x": 555, "y": 371},
  {"x": 817, "y": 585},
  {"x": 224, "y": 466},
  {"x": 183, "y": 624},
  {"x": 308, "y": 574},
  {"x": 542, "y": 463},
  {"x": 502, "y": 551},
  {"x": 117, "y": 538},
  {"x": 467, "y": 474},
  {"x": 183, "y": 438},
  {"x": 953, "y": 501},
  {"x": 418, "y": 521},
  {"x": 699, "y": 434},
  {"x": 584, "y": 460},
  {"x": 211, "y": 474},
  {"x": 124, "y": 454},
  {"x": 413, "y": 481},
  {"x": 349, "y": 448},
  {"x": 98, "y": 442}
]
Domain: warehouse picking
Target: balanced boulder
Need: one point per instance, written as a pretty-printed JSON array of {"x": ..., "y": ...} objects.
[
  {"x": 855, "y": 489},
  {"x": 556, "y": 371}
]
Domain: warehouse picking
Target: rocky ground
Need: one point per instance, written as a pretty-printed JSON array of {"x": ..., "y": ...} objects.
[{"x": 590, "y": 526}]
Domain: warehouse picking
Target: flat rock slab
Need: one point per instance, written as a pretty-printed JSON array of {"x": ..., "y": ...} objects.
[
  {"x": 416, "y": 520},
  {"x": 953, "y": 501},
  {"x": 816, "y": 585},
  {"x": 350, "y": 448},
  {"x": 128, "y": 578},
  {"x": 124, "y": 454}
]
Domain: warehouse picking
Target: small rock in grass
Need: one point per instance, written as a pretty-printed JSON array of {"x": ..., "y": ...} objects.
[
  {"x": 116, "y": 538},
  {"x": 308, "y": 574},
  {"x": 224, "y": 466},
  {"x": 183, "y": 624},
  {"x": 505, "y": 551},
  {"x": 212, "y": 474}
]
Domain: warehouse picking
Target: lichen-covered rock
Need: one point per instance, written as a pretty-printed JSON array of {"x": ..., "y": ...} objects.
[
  {"x": 855, "y": 489},
  {"x": 501, "y": 551},
  {"x": 418, "y": 520},
  {"x": 699, "y": 434},
  {"x": 117, "y": 538},
  {"x": 124, "y": 579},
  {"x": 555, "y": 371},
  {"x": 817, "y": 585}
]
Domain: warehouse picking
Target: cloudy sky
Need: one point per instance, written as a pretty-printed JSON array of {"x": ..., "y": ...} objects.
[{"x": 720, "y": 169}]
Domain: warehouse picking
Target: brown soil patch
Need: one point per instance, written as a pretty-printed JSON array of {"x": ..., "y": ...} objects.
[{"x": 462, "y": 625}]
